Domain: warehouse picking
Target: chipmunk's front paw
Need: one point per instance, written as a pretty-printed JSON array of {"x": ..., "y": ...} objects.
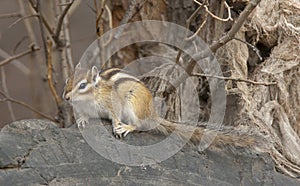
[
  {"x": 82, "y": 122},
  {"x": 123, "y": 129}
]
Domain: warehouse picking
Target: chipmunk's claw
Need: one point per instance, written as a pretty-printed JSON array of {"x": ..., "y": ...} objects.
[
  {"x": 115, "y": 133},
  {"x": 82, "y": 122},
  {"x": 123, "y": 129}
]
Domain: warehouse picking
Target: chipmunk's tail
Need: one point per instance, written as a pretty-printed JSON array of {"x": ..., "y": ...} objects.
[{"x": 203, "y": 136}]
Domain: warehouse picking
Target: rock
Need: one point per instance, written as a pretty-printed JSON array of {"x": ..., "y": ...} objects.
[{"x": 36, "y": 152}]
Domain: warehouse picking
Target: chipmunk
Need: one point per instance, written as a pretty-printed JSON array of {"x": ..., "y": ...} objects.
[{"x": 115, "y": 94}]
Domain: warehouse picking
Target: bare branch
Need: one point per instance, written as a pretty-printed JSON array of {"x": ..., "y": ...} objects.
[
  {"x": 36, "y": 9},
  {"x": 235, "y": 79},
  {"x": 50, "y": 71},
  {"x": 7, "y": 98},
  {"x": 33, "y": 48},
  {"x": 99, "y": 15},
  {"x": 60, "y": 22}
]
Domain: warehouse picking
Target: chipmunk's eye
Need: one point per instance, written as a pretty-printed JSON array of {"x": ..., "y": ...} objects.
[{"x": 82, "y": 85}]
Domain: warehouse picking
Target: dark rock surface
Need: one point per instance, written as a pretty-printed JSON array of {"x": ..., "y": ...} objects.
[{"x": 36, "y": 152}]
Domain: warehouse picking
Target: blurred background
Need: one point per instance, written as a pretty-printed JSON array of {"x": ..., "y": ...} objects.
[{"x": 25, "y": 78}]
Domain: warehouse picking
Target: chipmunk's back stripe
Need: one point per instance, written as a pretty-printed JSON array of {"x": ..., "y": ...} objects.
[
  {"x": 126, "y": 79},
  {"x": 108, "y": 73},
  {"x": 122, "y": 74}
]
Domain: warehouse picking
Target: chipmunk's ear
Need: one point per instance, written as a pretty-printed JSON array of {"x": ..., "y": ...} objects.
[
  {"x": 95, "y": 74},
  {"x": 95, "y": 71},
  {"x": 78, "y": 66},
  {"x": 67, "y": 80}
]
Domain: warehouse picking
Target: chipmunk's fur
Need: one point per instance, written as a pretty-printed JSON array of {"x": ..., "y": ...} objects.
[{"x": 121, "y": 97}]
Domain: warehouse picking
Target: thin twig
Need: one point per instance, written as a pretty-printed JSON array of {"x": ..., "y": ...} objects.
[
  {"x": 64, "y": 4},
  {"x": 33, "y": 48},
  {"x": 7, "y": 98},
  {"x": 9, "y": 15},
  {"x": 50, "y": 71},
  {"x": 24, "y": 69},
  {"x": 199, "y": 29},
  {"x": 203, "y": 5},
  {"x": 213, "y": 15},
  {"x": 4, "y": 85},
  {"x": 60, "y": 23},
  {"x": 235, "y": 79},
  {"x": 18, "y": 44},
  {"x": 21, "y": 19},
  {"x": 252, "y": 47}
]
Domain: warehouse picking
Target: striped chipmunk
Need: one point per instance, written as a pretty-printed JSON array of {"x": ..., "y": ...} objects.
[{"x": 116, "y": 95}]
